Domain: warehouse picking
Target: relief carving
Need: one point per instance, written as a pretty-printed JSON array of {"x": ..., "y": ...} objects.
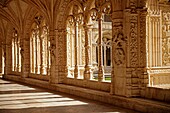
[
  {"x": 52, "y": 44},
  {"x": 166, "y": 38},
  {"x": 119, "y": 54},
  {"x": 143, "y": 38},
  {"x": 133, "y": 6},
  {"x": 133, "y": 41}
]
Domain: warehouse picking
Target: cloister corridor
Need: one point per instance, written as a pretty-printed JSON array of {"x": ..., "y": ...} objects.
[
  {"x": 84, "y": 56},
  {"x": 21, "y": 98}
]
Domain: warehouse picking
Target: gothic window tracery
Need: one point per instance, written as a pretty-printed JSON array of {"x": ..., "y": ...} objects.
[
  {"x": 16, "y": 54},
  {"x": 40, "y": 48},
  {"x": 75, "y": 43},
  {"x": 85, "y": 51}
]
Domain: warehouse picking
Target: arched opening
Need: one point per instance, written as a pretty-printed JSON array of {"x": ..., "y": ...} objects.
[
  {"x": 75, "y": 43},
  {"x": 16, "y": 52},
  {"x": 88, "y": 53},
  {"x": 39, "y": 47}
]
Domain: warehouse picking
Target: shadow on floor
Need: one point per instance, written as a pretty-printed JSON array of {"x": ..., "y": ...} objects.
[{"x": 21, "y": 98}]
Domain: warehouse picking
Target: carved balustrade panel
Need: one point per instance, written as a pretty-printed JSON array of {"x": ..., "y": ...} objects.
[{"x": 166, "y": 38}]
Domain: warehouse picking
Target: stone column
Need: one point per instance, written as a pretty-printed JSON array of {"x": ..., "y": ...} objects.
[
  {"x": 76, "y": 51},
  {"x": 53, "y": 78},
  {"x": 33, "y": 53},
  {"x": 100, "y": 62},
  {"x": 5, "y": 59},
  {"x": 8, "y": 53},
  {"x": 25, "y": 55},
  {"x": 118, "y": 80},
  {"x": 18, "y": 53},
  {"x": 79, "y": 40},
  {"x": 105, "y": 63},
  {"x": 48, "y": 56},
  {"x": 15, "y": 52},
  {"x": 36, "y": 54},
  {"x": 57, "y": 55},
  {"x": 143, "y": 75},
  {"x": 39, "y": 54},
  {"x": 87, "y": 72},
  {"x": 72, "y": 46},
  {"x": 41, "y": 51},
  {"x": 90, "y": 43},
  {"x": 62, "y": 53}
]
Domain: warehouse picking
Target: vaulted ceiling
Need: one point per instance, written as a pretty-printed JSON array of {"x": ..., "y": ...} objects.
[
  {"x": 4, "y": 2},
  {"x": 16, "y": 12}
]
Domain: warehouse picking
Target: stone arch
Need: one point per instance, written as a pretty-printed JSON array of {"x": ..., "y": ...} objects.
[
  {"x": 7, "y": 47},
  {"x": 8, "y": 18}
]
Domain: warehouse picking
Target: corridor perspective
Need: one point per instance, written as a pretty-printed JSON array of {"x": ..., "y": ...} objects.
[
  {"x": 19, "y": 98},
  {"x": 115, "y": 52}
]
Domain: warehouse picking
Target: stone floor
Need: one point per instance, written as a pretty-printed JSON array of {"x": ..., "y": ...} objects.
[{"x": 20, "y": 98}]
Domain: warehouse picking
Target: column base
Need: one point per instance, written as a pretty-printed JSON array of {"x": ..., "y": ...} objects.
[
  {"x": 100, "y": 74},
  {"x": 87, "y": 72},
  {"x": 76, "y": 72}
]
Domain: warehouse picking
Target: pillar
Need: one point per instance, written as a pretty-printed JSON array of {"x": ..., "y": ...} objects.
[
  {"x": 25, "y": 55},
  {"x": 53, "y": 78},
  {"x": 36, "y": 52},
  {"x": 76, "y": 51},
  {"x": 87, "y": 72},
  {"x": 62, "y": 53},
  {"x": 8, "y": 53},
  {"x": 18, "y": 53},
  {"x": 41, "y": 35},
  {"x": 100, "y": 61},
  {"x": 118, "y": 74}
]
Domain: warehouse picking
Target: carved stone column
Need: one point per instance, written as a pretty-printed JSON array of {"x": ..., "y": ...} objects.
[
  {"x": 33, "y": 53},
  {"x": 87, "y": 72},
  {"x": 48, "y": 56},
  {"x": 100, "y": 62},
  {"x": 94, "y": 57},
  {"x": 15, "y": 53},
  {"x": 53, "y": 78},
  {"x": 8, "y": 53},
  {"x": 36, "y": 52},
  {"x": 18, "y": 54},
  {"x": 118, "y": 81},
  {"x": 76, "y": 51},
  {"x": 25, "y": 55},
  {"x": 143, "y": 75},
  {"x": 41, "y": 51},
  {"x": 136, "y": 75},
  {"x": 4, "y": 56},
  {"x": 62, "y": 53}
]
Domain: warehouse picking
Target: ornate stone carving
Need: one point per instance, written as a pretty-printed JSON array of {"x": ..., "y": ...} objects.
[
  {"x": 52, "y": 44},
  {"x": 142, "y": 61},
  {"x": 119, "y": 50},
  {"x": 133, "y": 41},
  {"x": 133, "y": 4},
  {"x": 166, "y": 38}
]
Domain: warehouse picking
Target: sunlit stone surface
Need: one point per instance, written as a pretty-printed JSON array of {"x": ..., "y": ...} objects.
[{"x": 17, "y": 98}]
